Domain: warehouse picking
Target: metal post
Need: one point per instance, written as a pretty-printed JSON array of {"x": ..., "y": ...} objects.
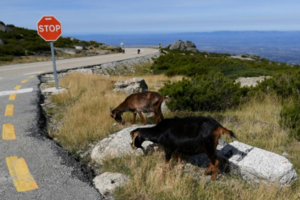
[{"x": 54, "y": 65}]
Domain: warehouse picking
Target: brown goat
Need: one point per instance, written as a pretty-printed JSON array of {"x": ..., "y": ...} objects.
[{"x": 140, "y": 102}]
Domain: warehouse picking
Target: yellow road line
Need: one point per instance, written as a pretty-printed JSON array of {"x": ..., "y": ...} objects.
[
  {"x": 18, "y": 87},
  {"x": 32, "y": 76},
  {"x": 12, "y": 97},
  {"x": 9, "y": 111},
  {"x": 8, "y": 132},
  {"x": 24, "y": 81},
  {"x": 20, "y": 174}
]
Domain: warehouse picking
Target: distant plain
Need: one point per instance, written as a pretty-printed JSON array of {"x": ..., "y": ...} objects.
[{"x": 274, "y": 45}]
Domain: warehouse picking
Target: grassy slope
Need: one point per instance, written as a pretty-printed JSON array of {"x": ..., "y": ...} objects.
[{"x": 85, "y": 119}]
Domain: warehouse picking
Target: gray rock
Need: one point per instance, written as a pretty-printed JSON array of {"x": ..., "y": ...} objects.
[
  {"x": 189, "y": 44},
  {"x": 107, "y": 182},
  {"x": 131, "y": 86},
  {"x": 118, "y": 145},
  {"x": 256, "y": 165},
  {"x": 81, "y": 71},
  {"x": 251, "y": 81},
  {"x": 2, "y": 27},
  {"x": 53, "y": 91},
  {"x": 178, "y": 45},
  {"x": 1, "y": 42},
  {"x": 183, "y": 46}
]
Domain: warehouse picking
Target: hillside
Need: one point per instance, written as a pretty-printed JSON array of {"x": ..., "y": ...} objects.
[{"x": 17, "y": 43}]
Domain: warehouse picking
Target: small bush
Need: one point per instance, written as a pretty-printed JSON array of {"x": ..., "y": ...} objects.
[
  {"x": 207, "y": 92},
  {"x": 6, "y": 58},
  {"x": 290, "y": 117}
]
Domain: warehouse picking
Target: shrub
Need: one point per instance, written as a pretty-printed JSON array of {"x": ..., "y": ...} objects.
[
  {"x": 206, "y": 92},
  {"x": 6, "y": 58},
  {"x": 290, "y": 117},
  {"x": 287, "y": 87}
]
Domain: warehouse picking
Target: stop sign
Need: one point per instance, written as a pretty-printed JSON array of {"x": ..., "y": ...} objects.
[{"x": 49, "y": 28}]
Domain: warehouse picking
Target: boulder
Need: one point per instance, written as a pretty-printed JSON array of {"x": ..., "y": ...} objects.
[
  {"x": 118, "y": 145},
  {"x": 251, "y": 81},
  {"x": 178, "y": 45},
  {"x": 107, "y": 182},
  {"x": 183, "y": 46},
  {"x": 253, "y": 164},
  {"x": 131, "y": 86},
  {"x": 2, "y": 27},
  {"x": 189, "y": 44},
  {"x": 256, "y": 165},
  {"x": 53, "y": 91}
]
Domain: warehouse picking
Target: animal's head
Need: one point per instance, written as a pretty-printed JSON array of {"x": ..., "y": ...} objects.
[
  {"x": 136, "y": 140},
  {"x": 116, "y": 115}
]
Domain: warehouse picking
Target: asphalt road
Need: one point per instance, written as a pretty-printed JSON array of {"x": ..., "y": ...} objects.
[{"x": 32, "y": 166}]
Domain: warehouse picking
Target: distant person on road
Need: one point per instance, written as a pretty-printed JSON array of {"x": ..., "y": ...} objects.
[{"x": 138, "y": 51}]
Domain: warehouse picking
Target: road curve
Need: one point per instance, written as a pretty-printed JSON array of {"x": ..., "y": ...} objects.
[{"x": 31, "y": 166}]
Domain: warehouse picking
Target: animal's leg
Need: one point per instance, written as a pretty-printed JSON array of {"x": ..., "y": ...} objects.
[
  {"x": 134, "y": 118},
  {"x": 142, "y": 117},
  {"x": 168, "y": 155},
  {"x": 213, "y": 166},
  {"x": 178, "y": 158},
  {"x": 179, "y": 161},
  {"x": 156, "y": 116},
  {"x": 215, "y": 170}
]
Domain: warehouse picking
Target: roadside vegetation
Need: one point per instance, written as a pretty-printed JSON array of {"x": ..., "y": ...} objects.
[
  {"x": 266, "y": 116},
  {"x": 25, "y": 45}
]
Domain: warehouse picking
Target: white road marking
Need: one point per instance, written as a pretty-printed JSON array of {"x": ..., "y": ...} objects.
[
  {"x": 32, "y": 73},
  {"x": 25, "y": 90}
]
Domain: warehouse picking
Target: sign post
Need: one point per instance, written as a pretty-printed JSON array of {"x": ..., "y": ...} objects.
[{"x": 49, "y": 28}]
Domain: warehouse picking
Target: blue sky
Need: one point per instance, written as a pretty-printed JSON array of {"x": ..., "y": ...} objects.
[{"x": 155, "y": 16}]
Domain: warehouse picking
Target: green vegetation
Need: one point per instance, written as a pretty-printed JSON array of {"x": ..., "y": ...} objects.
[
  {"x": 191, "y": 64},
  {"x": 262, "y": 116},
  {"x": 210, "y": 92},
  {"x": 22, "y": 41}
]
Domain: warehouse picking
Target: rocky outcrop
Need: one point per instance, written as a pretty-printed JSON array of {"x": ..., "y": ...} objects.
[
  {"x": 183, "y": 46},
  {"x": 253, "y": 164},
  {"x": 131, "y": 86},
  {"x": 107, "y": 182},
  {"x": 4, "y": 28},
  {"x": 117, "y": 145},
  {"x": 251, "y": 81}
]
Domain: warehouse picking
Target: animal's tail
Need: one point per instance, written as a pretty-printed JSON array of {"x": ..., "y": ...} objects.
[{"x": 224, "y": 131}]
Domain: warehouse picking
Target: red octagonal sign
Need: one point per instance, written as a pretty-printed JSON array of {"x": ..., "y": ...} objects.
[{"x": 49, "y": 28}]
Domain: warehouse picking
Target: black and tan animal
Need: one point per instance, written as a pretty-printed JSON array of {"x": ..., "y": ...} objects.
[
  {"x": 137, "y": 103},
  {"x": 189, "y": 136}
]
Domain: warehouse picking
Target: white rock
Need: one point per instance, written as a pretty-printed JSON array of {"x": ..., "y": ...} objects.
[
  {"x": 53, "y": 91},
  {"x": 107, "y": 182},
  {"x": 117, "y": 145},
  {"x": 257, "y": 165},
  {"x": 251, "y": 81},
  {"x": 131, "y": 86}
]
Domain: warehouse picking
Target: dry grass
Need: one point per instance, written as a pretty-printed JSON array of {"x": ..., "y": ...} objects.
[
  {"x": 255, "y": 123},
  {"x": 86, "y": 119},
  {"x": 85, "y": 107}
]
